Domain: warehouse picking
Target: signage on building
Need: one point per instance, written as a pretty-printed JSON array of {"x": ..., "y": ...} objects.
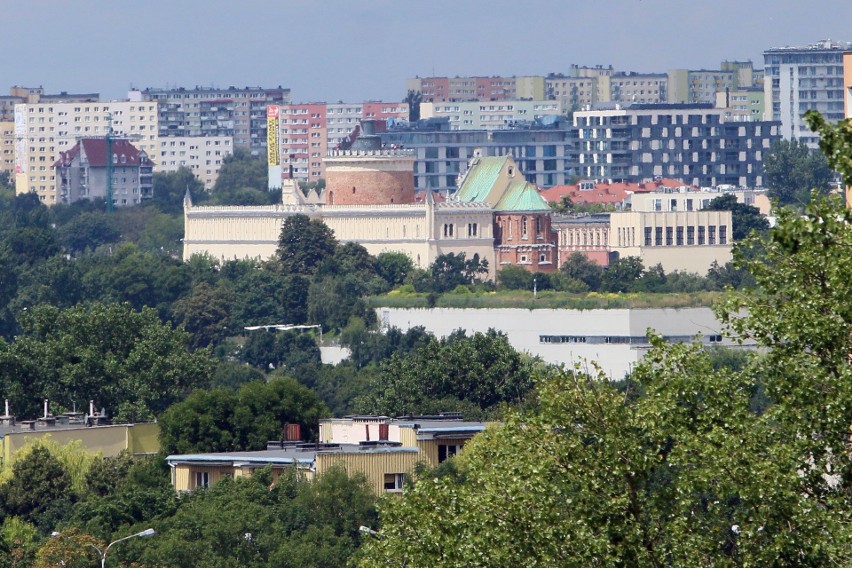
[{"x": 272, "y": 153}]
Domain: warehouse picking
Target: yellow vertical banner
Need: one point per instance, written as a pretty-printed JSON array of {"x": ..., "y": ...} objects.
[{"x": 272, "y": 118}]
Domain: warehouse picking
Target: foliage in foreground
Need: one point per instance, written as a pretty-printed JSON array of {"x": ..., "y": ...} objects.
[{"x": 686, "y": 473}]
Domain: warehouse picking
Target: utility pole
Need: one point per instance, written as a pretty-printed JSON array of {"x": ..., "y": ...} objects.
[{"x": 109, "y": 163}]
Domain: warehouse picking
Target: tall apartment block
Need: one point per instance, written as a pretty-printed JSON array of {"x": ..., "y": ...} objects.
[
  {"x": 44, "y": 129},
  {"x": 32, "y": 95},
  {"x": 490, "y": 115},
  {"x": 742, "y": 105},
  {"x": 703, "y": 85},
  {"x": 203, "y": 155},
  {"x": 798, "y": 79},
  {"x": 691, "y": 142},
  {"x": 26, "y": 95},
  {"x": 7, "y": 146},
  {"x": 545, "y": 155},
  {"x": 310, "y": 130},
  {"x": 442, "y": 89},
  {"x": 582, "y": 86},
  {"x": 239, "y": 113}
]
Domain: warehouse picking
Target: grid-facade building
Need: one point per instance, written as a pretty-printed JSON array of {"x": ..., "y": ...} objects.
[
  {"x": 239, "y": 113},
  {"x": 689, "y": 142}
]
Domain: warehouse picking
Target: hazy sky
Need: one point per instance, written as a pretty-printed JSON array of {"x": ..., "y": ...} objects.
[{"x": 352, "y": 50}]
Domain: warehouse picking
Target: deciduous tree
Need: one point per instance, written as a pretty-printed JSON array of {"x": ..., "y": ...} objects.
[
  {"x": 303, "y": 244},
  {"x": 685, "y": 470},
  {"x": 792, "y": 170}
]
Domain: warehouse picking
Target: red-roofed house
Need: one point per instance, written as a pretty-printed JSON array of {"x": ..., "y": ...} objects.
[
  {"x": 81, "y": 172},
  {"x": 615, "y": 194}
]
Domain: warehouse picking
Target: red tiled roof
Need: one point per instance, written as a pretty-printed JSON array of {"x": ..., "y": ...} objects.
[
  {"x": 95, "y": 152},
  {"x": 420, "y": 196},
  {"x": 607, "y": 193}
]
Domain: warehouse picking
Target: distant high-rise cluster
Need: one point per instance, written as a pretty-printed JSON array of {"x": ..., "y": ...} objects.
[{"x": 703, "y": 126}]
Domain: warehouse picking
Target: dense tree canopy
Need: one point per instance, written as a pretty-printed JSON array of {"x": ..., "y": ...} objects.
[
  {"x": 222, "y": 420},
  {"x": 125, "y": 360},
  {"x": 682, "y": 469},
  {"x": 304, "y": 243},
  {"x": 745, "y": 218},
  {"x": 472, "y": 375},
  {"x": 243, "y": 180},
  {"x": 792, "y": 170}
]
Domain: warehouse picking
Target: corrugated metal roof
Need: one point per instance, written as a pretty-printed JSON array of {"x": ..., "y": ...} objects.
[
  {"x": 521, "y": 196},
  {"x": 480, "y": 178}
]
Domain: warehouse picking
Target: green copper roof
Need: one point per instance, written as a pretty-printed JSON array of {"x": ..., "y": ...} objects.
[
  {"x": 521, "y": 196},
  {"x": 480, "y": 178}
]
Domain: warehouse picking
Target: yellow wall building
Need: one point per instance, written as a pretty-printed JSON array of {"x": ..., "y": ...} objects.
[
  {"x": 108, "y": 440},
  {"x": 384, "y": 450}
]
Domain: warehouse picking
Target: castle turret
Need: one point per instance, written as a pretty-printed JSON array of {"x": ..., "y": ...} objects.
[{"x": 368, "y": 174}]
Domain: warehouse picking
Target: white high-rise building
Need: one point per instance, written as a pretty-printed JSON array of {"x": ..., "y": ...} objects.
[{"x": 799, "y": 79}]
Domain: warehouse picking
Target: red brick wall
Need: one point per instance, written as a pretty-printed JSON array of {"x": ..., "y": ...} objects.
[
  {"x": 597, "y": 255},
  {"x": 371, "y": 187},
  {"x": 513, "y": 251}
]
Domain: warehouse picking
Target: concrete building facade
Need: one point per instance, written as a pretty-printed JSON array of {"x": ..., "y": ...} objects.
[
  {"x": 804, "y": 78},
  {"x": 546, "y": 154},
  {"x": 688, "y": 241},
  {"x": 239, "y": 113},
  {"x": 384, "y": 450},
  {"x": 310, "y": 130},
  {"x": 490, "y": 115},
  {"x": 742, "y": 105},
  {"x": 44, "y": 129},
  {"x": 7, "y": 146},
  {"x": 203, "y": 155}
]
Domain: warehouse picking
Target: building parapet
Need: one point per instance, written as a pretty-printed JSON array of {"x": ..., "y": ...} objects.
[
  {"x": 383, "y": 153},
  {"x": 251, "y": 210}
]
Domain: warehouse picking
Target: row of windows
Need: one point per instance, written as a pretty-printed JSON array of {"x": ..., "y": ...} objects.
[
  {"x": 674, "y": 236},
  {"x": 620, "y": 339},
  {"x": 449, "y": 230}
]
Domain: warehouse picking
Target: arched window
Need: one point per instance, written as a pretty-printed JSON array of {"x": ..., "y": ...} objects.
[
  {"x": 524, "y": 226},
  {"x": 331, "y": 198}
]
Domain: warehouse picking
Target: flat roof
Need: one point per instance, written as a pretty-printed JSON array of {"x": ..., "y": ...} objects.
[
  {"x": 287, "y": 455},
  {"x": 19, "y": 429}
]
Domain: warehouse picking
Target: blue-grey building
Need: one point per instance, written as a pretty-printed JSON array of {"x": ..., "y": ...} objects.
[
  {"x": 545, "y": 151},
  {"x": 632, "y": 142},
  {"x": 690, "y": 142}
]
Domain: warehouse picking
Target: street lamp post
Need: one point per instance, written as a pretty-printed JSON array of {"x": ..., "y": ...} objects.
[{"x": 103, "y": 553}]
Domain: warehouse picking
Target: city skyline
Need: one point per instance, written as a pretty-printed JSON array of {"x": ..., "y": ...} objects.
[{"x": 338, "y": 50}]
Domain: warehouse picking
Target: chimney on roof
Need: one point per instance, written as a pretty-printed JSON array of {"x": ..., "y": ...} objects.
[
  {"x": 47, "y": 419},
  {"x": 7, "y": 419}
]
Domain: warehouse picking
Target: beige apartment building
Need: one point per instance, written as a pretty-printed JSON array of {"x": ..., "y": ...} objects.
[
  {"x": 201, "y": 154},
  {"x": 7, "y": 146},
  {"x": 490, "y": 115},
  {"x": 43, "y": 130},
  {"x": 689, "y": 241}
]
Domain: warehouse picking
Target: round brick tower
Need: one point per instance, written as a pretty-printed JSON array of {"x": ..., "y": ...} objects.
[{"x": 367, "y": 174}]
